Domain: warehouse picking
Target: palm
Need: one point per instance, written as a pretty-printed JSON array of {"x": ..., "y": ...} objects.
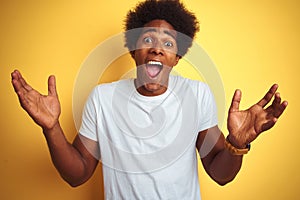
[
  {"x": 245, "y": 126},
  {"x": 44, "y": 110}
]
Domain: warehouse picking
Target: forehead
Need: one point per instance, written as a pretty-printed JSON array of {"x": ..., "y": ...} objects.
[{"x": 160, "y": 26}]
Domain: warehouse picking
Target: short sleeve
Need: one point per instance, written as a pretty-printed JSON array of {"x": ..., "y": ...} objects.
[
  {"x": 207, "y": 108},
  {"x": 90, "y": 114}
]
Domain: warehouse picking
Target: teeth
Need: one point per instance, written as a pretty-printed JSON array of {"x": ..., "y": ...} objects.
[{"x": 154, "y": 63}]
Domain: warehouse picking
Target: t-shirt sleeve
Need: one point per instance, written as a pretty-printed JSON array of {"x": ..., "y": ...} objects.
[
  {"x": 91, "y": 109},
  {"x": 208, "y": 116}
]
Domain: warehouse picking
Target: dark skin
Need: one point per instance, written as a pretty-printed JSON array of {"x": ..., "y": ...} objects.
[
  {"x": 244, "y": 126},
  {"x": 76, "y": 162}
]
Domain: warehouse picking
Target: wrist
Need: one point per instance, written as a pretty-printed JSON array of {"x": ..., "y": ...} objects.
[
  {"x": 235, "y": 142},
  {"x": 51, "y": 129},
  {"x": 234, "y": 150}
]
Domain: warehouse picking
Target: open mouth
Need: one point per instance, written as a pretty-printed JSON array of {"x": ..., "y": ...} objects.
[{"x": 153, "y": 68}]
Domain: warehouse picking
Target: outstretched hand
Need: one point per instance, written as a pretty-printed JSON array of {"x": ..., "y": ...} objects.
[
  {"x": 43, "y": 109},
  {"x": 245, "y": 125}
]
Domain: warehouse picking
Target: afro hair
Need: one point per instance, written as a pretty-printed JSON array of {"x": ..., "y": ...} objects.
[{"x": 172, "y": 11}]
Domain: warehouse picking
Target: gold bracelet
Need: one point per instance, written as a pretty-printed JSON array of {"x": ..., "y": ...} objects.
[{"x": 235, "y": 151}]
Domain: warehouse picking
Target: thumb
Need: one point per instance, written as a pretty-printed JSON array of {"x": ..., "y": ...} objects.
[
  {"x": 236, "y": 99},
  {"x": 52, "y": 86}
]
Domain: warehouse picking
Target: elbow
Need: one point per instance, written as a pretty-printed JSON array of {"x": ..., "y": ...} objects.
[
  {"x": 223, "y": 182},
  {"x": 222, "y": 179},
  {"x": 75, "y": 179},
  {"x": 73, "y": 182}
]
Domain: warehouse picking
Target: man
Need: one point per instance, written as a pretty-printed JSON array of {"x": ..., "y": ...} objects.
[{"x": 145, "y": 130}]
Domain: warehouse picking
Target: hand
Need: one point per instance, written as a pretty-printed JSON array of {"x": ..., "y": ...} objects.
[
  {"x": 245, "y": 126},
  {"x": 44, "y": 110}
]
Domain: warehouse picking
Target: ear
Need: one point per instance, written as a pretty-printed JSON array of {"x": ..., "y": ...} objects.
[
  {"x": 177, "y": 59},
  {"x": 132, "y": 53}
]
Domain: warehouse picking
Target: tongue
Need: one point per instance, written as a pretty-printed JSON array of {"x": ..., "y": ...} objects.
[{"x": 153, "y": 70}]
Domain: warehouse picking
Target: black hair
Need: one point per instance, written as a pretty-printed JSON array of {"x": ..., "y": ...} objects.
[{"x": 172, "y": 11}]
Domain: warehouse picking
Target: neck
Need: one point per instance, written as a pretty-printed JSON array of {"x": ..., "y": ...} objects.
[{"x": 149, "y": 89}]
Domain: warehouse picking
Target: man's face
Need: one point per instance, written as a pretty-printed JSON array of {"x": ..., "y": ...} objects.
[{"x": 155, "y": 55}]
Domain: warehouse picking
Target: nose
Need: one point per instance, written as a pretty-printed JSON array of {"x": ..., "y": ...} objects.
[{"x": 156, "y": 49}]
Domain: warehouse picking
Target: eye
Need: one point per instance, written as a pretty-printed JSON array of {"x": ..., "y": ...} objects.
[
  {"x": 169, "y": 44},
  {"x": 148, "y": 40}
]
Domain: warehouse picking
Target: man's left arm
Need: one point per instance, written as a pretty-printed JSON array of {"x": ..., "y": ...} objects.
[{"x": 222, "y": 158}]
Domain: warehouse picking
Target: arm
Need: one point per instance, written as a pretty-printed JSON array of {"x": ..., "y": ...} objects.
[
  {"x": 218, "y": 162},
  {"x": 75, "y": 162},
  {"x": 244, "y": 127}
]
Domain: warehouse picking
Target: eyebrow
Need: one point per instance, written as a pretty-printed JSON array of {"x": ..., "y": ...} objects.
[{"x": 155, "y": 30}]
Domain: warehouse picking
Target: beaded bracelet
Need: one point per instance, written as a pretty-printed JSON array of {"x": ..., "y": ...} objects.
[{"x": 235, "y": 151}]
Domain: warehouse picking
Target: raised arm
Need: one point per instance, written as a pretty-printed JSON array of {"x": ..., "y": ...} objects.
[
  {"x": 75, "y": 162},
  {"x": 220, "y": 162}
]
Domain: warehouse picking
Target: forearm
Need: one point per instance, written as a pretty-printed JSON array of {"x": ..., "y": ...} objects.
[
  {"x": 65, "y": 157},
  {"x": 225, "y": 166}
]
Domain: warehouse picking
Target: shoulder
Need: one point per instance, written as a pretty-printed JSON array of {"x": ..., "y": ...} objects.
[{"x": 102, "y": 94}]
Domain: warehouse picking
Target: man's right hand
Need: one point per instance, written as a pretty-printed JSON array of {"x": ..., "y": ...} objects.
[
  {"x": 75, "y": 162},
  {"x": 43, "y": 109}
]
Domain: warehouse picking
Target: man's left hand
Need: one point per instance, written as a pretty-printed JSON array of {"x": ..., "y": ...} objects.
[{"x": 245, "y": 125}]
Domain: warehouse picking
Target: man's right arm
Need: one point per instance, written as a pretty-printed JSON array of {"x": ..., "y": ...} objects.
[{"x": 75, "y": 162}]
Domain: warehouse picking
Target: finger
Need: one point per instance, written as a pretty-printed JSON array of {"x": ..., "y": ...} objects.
[
  {"x": 52, "y": 86},
  {"x": 269, "y": 124},
  {"x": 277, "y": 99},
  {"x": 19, "y": 89},
  {"x": 18, "y": 86},
  {"x": 24, "y": 83},
  {"x": 14, "y": 74},
  {"x": 277, "y": 106},
  {"x": 17, "y": 76},
  {"x": 235, "y": 103},
  {"x": 268, "y": 96},
  {"x": 280, "y": 109},
  {"x": 14, "y": 80}
]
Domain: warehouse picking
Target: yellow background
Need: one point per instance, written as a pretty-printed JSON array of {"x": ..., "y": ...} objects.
[{"x": 253, "y": 44}]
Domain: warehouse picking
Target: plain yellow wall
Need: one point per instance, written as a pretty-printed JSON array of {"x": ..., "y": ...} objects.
[{"x": 253, "y": 44}]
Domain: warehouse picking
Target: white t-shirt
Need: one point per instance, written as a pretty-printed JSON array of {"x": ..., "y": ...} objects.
[{"x": 147, "y": 144}]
